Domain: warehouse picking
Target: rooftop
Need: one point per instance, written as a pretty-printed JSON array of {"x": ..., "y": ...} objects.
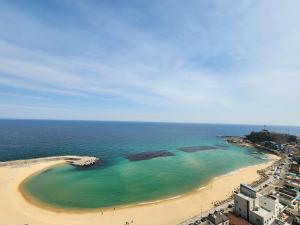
[
  {"x": 261, "y": 212},
  {"x": 248, "y": 190},
  {"x": 244, "y": 196},
  {"x": 217, "y": 217},
  {"x": 248, "y": 187}
]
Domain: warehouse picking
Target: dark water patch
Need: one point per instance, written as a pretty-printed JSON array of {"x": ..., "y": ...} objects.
[
  {"x": 191, "y": 149},
  {"x": 148, "y": 155}
]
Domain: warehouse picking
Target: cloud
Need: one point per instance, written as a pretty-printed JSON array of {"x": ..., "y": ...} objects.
[{"x": 206, "y": 61}]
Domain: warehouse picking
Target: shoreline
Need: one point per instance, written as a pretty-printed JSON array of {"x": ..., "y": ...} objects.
[
  {"x": 204, "y": 193},
  {"x": 35, "y": 201}
]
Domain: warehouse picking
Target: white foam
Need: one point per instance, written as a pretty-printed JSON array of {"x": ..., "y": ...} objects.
[
  {"x": 160, "y": 200},
  {"x": 201, "y": 188}
]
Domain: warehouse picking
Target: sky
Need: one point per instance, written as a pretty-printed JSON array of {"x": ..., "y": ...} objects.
[{"x": 204, "y": 61}]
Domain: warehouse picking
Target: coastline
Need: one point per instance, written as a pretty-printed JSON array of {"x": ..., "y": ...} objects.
[{"x": 166, "y": 211}]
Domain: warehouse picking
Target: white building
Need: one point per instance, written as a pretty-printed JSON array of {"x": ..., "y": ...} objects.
[
  {"x": 258, "y": 210},
  {"x": 270, "y": 203},
  {"x": 260, "y": 216},
  {"x": 243, "y": 205},
  {"x": 245, "y": 201}
]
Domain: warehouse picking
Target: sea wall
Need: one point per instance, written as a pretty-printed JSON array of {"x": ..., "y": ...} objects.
[{"x": 67, "y": 158}]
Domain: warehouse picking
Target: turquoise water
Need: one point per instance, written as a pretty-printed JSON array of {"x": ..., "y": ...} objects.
[
  {"x": 116, "y": 180},
  {"x": 128, "y": 182}
]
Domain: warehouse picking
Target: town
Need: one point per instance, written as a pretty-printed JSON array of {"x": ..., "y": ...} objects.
[{"x": 271, "y": 200}]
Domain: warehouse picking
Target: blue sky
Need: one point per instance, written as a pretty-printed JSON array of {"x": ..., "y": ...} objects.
[{"x": 183, "y": 61}]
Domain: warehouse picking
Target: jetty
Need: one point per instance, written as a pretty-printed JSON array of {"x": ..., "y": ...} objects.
[
  {"x": 84, "y": 161},
  {"x": 80, "y": 161}
]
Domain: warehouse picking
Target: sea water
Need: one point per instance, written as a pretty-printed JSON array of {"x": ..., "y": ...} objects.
[{"x": 116, "y": 180}]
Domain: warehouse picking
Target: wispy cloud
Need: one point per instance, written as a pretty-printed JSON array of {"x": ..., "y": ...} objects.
[{"x": 202, "y": 61}]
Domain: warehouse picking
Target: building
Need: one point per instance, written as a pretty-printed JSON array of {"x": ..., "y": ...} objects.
[
  {"x": 270, "y": 203},
  {"x": 266, "y": 212},
  {"x": 217, "y": 218},
  {"x": 245, "y": 201},
  {"x": 248, "y": 191},
  {"x": 260, "y": 216},
  {"x": 274, "y": 145},
  {"x": 289, "y": 149},
  {"x": 256, "y": 209},
  {"x": 293, "y": 185},
  {"x": 287, "y": 195}
]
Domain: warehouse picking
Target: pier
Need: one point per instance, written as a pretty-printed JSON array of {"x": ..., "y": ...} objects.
[
  {"x": 80, "y": 161},
  {"x": 84, "y": 161}
]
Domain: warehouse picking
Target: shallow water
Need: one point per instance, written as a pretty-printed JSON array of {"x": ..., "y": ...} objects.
[
  {"x": 116, "y": 180},
  {"x": 127, "y": 182}
]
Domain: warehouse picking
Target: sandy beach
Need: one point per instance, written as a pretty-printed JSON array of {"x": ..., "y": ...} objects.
[{"x": 16, "y": 210}]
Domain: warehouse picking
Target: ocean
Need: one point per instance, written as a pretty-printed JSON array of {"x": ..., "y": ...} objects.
[{"x": 195, "y": 154}]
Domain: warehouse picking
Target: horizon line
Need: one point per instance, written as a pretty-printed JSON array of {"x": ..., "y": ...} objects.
[{"x": 142, "y": 121}]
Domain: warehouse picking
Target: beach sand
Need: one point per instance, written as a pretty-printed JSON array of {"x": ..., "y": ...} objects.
[{"x": 16, "y": 210}]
